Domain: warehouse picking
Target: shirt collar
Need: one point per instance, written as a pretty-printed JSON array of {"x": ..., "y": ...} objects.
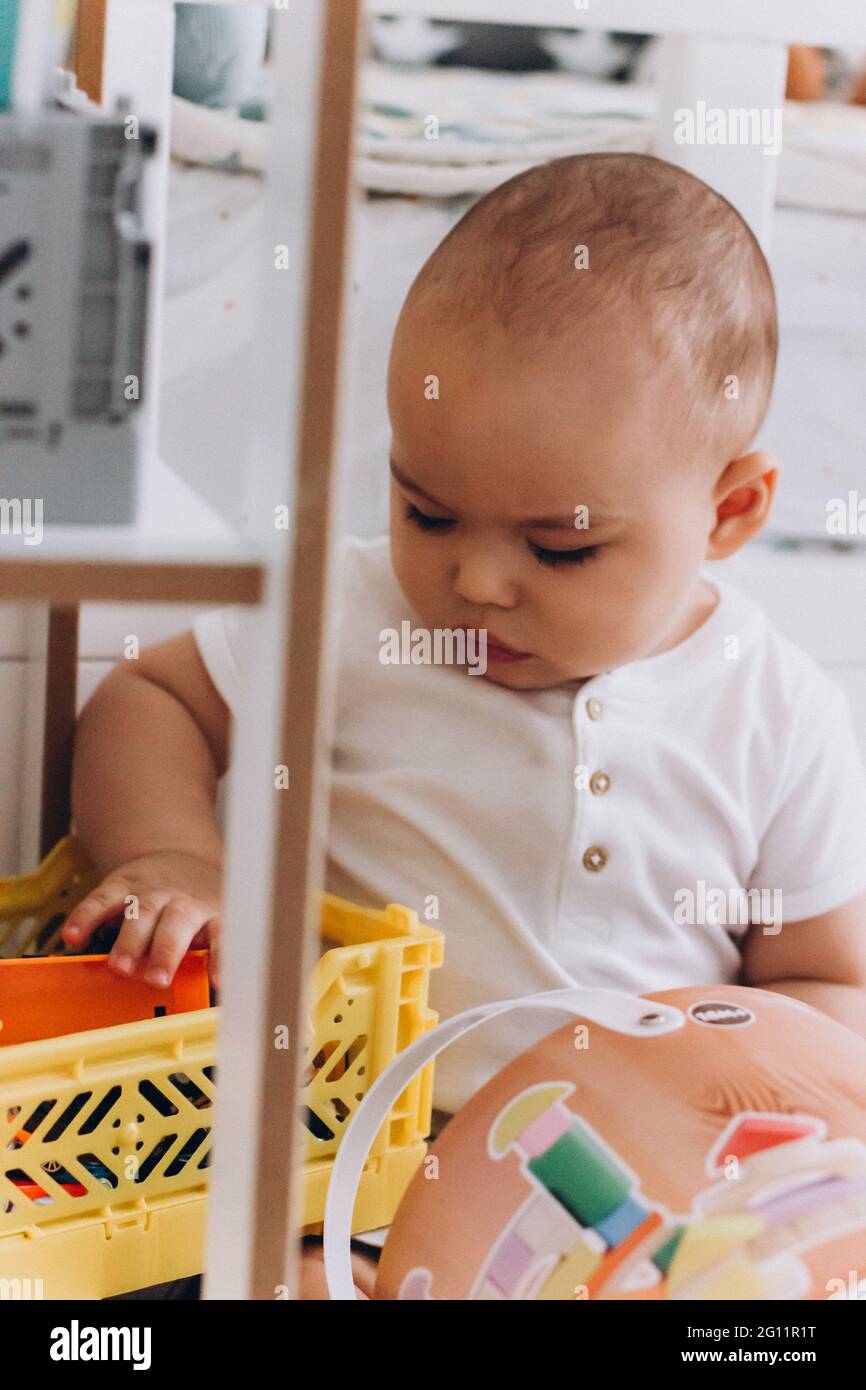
[{"x": 655, "y": 676}]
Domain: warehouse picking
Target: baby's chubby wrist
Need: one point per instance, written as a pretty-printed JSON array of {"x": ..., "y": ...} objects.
[
  {"x": 172, "y": 856},
  {"x": 114, "y": 859}
]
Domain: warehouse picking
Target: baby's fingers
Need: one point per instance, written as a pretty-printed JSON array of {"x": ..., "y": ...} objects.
[
  {"x": 105, "y": 902},
  {"x": 135, "y": 935},
  {"x": 178, "y": 925}
]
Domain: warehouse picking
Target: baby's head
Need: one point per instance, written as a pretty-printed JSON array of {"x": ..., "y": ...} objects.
[{"x": 577, "y": 375}]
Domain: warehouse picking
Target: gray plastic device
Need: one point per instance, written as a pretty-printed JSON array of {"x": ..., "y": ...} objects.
[{"x": 74, "y": 277}]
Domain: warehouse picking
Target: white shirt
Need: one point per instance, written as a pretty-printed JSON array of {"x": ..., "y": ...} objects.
[{"x": 731, "y": 762}]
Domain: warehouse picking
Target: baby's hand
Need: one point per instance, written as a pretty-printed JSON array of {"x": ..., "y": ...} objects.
[{"x": 170, "y": 902}]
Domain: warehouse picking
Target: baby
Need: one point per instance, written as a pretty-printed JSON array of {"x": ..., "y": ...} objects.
[{"x": 576, "y": 378}]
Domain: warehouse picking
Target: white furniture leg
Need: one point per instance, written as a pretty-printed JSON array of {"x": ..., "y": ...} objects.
[{"x": 745, "y": 82}]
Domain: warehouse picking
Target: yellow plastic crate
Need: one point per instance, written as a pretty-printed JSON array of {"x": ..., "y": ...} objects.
[
  {"x": 112, "y": 1125},
  {"x": 33, "y": 907}
]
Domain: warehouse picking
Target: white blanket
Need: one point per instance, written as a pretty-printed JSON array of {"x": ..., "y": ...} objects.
[{"x": 444, "y": 132}]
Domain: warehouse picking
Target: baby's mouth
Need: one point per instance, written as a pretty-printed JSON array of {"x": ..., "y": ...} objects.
[{"x": 497, "y": 650}]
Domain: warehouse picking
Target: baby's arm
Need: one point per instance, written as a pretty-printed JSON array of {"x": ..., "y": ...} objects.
[
  {"x": 151, "y": 744},
  {"x": 821, "y": 960}
]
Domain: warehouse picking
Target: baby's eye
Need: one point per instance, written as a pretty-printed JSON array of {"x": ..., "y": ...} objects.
[
  {"x": 563, "y": 557},
  {"x": 425, "y": 522}
]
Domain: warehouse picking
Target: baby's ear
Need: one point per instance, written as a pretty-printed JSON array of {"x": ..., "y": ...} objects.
[{"x": 742, "y": 499}]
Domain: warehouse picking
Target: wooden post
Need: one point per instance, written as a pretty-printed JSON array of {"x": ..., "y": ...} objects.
[
  {"x": 300, "y": 862},
  {"x": 89, "y": 46},
  {"x": 61, "y": 685},
  {"x": 276, "y": 841}
]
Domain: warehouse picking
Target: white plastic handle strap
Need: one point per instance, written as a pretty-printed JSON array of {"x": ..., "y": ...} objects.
[{"x": 622, "y": 1013}]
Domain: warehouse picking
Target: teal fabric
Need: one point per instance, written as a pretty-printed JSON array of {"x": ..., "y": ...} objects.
[
  {"x": 8, "y": 29},
  {"x": 218, "y": 54}
]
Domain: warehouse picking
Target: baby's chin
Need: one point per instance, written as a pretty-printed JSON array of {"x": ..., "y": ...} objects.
[{"x": 532, "y": 674}]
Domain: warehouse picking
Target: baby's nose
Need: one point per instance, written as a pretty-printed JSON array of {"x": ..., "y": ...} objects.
[{"x": 485, "y": 580}]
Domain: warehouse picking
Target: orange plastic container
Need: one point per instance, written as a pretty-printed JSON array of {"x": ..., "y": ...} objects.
[{"x": 49, "y": 996}]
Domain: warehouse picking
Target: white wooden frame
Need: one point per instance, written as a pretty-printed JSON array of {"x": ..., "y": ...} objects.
[{"x": 731, "y": 55}]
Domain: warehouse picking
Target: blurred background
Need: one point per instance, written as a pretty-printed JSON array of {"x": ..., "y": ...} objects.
[{"x": 504, "y": 97}]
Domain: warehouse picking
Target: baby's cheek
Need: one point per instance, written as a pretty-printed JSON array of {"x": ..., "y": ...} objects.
[
  {"x": 595, "y": 610},
  {"x": 412, "y": 577},
  {"x": 422, "y": 574},
  {"x": 405, "y": 572},
  {"x": 602, "y": 630}
]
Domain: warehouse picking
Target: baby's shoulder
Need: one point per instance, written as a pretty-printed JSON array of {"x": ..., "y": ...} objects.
[
  {"x": 363, "y": 560},
  {"x": 776, "y": 668},
  {"x": 368, "y": 594}
]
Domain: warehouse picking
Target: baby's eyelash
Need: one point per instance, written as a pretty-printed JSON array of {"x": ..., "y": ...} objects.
[
  {"x": 563, "y": 557},
  {"x": 544, "y": 557},
  {"x": 425, "y": 522}
]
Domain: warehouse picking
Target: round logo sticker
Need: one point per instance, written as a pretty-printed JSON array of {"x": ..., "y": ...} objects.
[{"x": 720, "y": 1013}]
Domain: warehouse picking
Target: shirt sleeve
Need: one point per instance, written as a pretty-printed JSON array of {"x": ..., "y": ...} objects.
[
  {"x": 217, "y": 635},
  {"x": 814, "y": 848}
]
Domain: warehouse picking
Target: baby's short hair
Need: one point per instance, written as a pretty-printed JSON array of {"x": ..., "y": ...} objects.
[{"x": 655, "y": 237}]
